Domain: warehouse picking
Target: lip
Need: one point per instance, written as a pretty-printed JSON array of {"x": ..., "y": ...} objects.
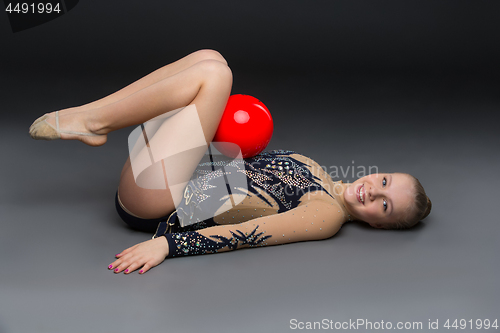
[{"x": 358, "y": 194}]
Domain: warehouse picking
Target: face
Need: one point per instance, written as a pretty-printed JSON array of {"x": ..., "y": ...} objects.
[{"x": 380, "y": 198}]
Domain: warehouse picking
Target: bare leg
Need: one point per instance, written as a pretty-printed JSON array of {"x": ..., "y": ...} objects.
[
  {"x": 154, "y": 77},
  {"x": 207, "y": 85},
  {"x": 165, "y": 95},
  {"x": 191, "y": 80},
  {"x": 72, "y": 123}
]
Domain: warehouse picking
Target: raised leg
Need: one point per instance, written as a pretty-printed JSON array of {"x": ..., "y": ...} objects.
[
  {"x": 207, "y": 85},
  {"x": 202, "y": 78},
  {"x": 75, "y": 123},
  {"x": 154, "y": 77}
]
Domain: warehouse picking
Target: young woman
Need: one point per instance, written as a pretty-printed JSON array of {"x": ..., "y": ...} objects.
[{"x": 290, "y": 198}]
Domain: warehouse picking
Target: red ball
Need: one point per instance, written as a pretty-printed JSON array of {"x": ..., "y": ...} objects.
[{"x": 247, "y": 123}]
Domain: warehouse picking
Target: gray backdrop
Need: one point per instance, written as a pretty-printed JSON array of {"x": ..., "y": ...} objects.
[{"x": 419, "y": 79}]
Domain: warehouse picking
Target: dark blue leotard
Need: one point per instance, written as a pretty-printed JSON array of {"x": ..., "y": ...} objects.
[{"x": 275, "y": 181}]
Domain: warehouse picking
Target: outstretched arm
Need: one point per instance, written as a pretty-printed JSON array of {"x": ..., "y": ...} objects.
[{"x": 314, "y": 220}]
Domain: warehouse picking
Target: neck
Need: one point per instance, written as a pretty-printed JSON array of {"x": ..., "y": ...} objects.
[{"x": 339, "y": 189}]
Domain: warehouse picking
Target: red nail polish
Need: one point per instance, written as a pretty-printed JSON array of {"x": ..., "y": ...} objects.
[
  {"x": 116, "y": 270},
  {"x": 110, "y": 266},
  {"x": 126, "y": 270},
  {"x": 141, "y": 271}
]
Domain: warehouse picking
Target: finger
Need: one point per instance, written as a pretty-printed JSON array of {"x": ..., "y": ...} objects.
[
  {"x": 145, "y": 268},
  {"x": 118, "y": 262},
  {"x": 135, "y": 265},
  {"x": 114, "y": 264},
  {"x": 125, "y": 251},
  {"x": 123, "y": 257},
  {"x": 125, "y": 264}
]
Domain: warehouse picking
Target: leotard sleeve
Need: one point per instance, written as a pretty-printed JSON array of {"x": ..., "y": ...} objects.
[{"x": 314, "y": 220}]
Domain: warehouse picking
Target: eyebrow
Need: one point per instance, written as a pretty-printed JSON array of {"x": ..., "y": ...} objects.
[{"x": 392, "y": 206}]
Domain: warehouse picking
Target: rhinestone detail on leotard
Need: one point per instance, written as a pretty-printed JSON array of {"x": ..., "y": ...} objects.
[{"x": 283, "y": 177}]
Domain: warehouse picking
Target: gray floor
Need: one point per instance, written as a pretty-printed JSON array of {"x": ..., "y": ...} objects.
[{"x": 60, "y": 229}]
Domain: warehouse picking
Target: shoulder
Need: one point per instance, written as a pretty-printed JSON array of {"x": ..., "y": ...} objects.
[
  {"x": 302, "y": 160},
  {"x": 314, "y": 167},
  {"x": 319, "y": 218},
  {"x": 330, "y": 208},
  {"x": 326, "y": 214}
]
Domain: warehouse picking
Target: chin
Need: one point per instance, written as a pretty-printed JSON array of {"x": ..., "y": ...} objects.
[
  {"x": 350, "y": 195},
  {"x": 352, "y": 201}
]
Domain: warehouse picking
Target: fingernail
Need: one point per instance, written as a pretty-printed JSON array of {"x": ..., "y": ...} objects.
[
  {"x": 116, "y": 255},
  {"x": 141, "y": 271},
  {"x": 126, "y": 271},
  {"x": 110, "y": 266},
  {"x": 116, "y": 270}
]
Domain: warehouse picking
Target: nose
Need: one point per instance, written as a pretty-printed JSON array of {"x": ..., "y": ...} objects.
[{"x": 373, "y": 192}]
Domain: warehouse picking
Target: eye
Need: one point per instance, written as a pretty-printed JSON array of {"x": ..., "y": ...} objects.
[
  {"x": 385, "y": 205},
  {"x": 384, "y": 182}
]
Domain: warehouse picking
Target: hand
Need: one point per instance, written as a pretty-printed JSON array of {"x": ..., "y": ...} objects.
[{"x": 149, "y": 253}]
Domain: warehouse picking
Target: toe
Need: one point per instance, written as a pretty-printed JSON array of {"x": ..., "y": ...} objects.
[{"x": 42, "y": 131}]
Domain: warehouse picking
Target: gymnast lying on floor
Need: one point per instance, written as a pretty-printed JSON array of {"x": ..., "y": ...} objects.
[{"x": 287, "y": 198}]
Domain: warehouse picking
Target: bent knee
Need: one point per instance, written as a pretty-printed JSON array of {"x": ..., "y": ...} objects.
[
  {"x": 216, "y": 69},
  {"x": 208, "y": 54}
]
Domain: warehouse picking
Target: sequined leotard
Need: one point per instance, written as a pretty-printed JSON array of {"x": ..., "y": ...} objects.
[{"x": 286, "y": 190}]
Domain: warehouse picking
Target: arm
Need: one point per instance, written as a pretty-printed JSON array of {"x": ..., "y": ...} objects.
[{"x": 314, "y": 220}]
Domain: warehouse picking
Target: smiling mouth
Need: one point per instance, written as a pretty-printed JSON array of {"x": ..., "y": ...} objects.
[{"x": 361, "y": 196}]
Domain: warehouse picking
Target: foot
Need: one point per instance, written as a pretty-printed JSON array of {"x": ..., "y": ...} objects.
[
  {"x": 73, "y": 125},
  {"x": 61, "y": 112}
]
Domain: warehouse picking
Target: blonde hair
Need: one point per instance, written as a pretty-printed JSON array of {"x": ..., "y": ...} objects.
[{"x": 417, "y": 211}]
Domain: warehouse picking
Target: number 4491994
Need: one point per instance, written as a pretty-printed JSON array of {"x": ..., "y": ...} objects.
[
  {"x": 477, "y": 324},
  {"x": 40, "y": 8}
]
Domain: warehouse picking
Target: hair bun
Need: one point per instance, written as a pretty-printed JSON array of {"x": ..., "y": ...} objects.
[{"x": 428, "y": 210}]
